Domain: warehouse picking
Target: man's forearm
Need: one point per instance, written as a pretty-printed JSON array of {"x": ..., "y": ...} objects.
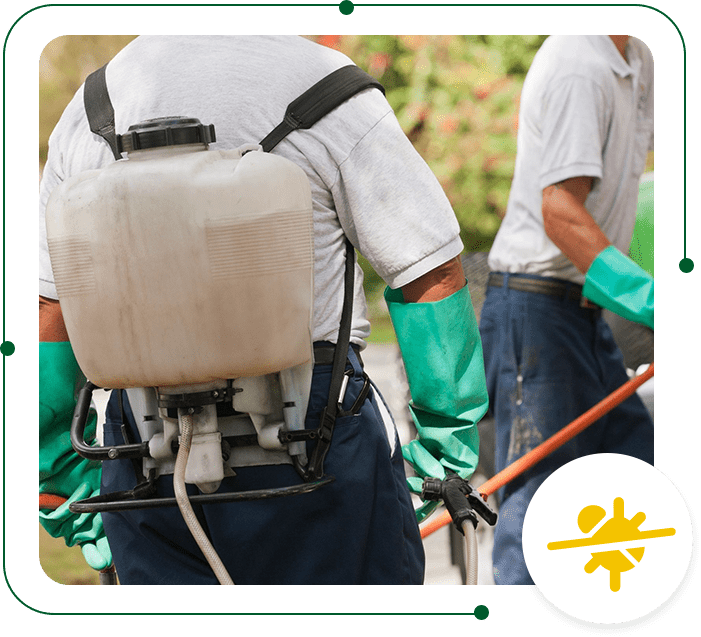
[{"x": 569, "y": 225}]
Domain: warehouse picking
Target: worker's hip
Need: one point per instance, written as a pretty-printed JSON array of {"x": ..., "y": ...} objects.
[
  {"x": 537, "y": 325},
  {"x": 547, "y": 361}
]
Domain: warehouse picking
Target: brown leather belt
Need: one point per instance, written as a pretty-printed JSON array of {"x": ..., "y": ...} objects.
[{"x": 561, "y": 290}]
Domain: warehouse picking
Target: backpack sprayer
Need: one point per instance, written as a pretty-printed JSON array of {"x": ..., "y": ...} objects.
[
  {"x": 185, "y": 277},
  {"x": 193, "y": 317}
]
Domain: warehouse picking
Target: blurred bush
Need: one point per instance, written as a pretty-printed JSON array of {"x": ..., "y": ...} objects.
[{"x": 63, "y": 66}]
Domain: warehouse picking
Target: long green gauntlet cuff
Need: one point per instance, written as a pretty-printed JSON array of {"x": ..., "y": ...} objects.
[
  {"x": 442, "y": 354},
  {"x": 616, "y": 283},
  {"x": 61, "y": 471}
]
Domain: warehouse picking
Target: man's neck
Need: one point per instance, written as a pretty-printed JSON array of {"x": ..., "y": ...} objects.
[{"x": 620, "y": 41}]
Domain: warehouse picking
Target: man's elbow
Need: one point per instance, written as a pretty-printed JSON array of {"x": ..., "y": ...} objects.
[{"x": 437, "y": 284}]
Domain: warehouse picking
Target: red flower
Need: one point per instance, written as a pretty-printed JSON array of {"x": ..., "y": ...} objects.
[
  {"x": 330, "y": 41},
  {"x": 482, "y": 91},
  {"x": 378, "y": 64},
  {"x": 448, "y": 124}
]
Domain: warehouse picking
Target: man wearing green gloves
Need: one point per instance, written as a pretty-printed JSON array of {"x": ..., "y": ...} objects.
[
  {"x": 585, "y": 128},
  {"x": 368, "y": 186}
]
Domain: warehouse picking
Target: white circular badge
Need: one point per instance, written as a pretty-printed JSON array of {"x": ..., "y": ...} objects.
[{"x": 607, "y": 538}]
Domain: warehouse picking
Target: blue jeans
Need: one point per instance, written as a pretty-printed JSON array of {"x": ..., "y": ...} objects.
[
  {"x": 547, "y": 361},
  {"x": 360, "y": 529}
]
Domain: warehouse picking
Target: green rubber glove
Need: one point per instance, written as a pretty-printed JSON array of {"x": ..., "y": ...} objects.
[
  {"x": 61, "y": 471},
  {"x": 83, "y": 529},
  {"x": 616, "y": 283},
  {"x": 442, "y": 354}
]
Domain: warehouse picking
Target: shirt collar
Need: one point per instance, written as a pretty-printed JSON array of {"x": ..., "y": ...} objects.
[{"x": 610, "y": 53}]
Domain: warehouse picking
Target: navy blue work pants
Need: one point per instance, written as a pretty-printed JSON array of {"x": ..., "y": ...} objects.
[
  {"x": 547, "y": 361},
  {"x": 360, "y": 529}
]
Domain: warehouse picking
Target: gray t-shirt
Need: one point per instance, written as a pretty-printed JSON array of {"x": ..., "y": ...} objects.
[
  {"x": 585, "y": 111},
  {"x": 367, "y": 180}
]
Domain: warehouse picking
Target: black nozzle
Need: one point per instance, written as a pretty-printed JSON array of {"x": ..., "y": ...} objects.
[
  {"x": 457, "y": 504},
  {"x": 461, "y": 500}
]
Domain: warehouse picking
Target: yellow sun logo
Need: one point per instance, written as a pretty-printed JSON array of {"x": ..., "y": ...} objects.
[{"x": 617, "y": 529}]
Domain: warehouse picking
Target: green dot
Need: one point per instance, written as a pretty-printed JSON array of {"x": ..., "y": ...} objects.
[
  {"x": 686, "y": 265},
  {"x": 481, "y": 612},
  {"x": 7, "y": 348},
  {"x": 346, "y": 7}
]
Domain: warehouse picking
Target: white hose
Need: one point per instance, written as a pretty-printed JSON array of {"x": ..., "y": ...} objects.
[
  {"x": 470, "y": 553},
  {"x": 186, "y": 508}
]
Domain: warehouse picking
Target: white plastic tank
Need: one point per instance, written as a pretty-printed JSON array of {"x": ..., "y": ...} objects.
[{"x": 182, "y": 265}]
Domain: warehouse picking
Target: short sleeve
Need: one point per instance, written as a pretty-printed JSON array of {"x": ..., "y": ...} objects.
[
  {"x": 573, "y": 117},
  {"x": 51, "y": 177},
  {"x": 392, "y": 207}
]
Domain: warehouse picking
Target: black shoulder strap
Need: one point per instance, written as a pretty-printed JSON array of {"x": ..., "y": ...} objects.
[
  {"x": 99, "y": 109},
  {"x": 303, "y": 113},
  {"x": 319, "y": 100},
  {"x": 327, "y": 94}
]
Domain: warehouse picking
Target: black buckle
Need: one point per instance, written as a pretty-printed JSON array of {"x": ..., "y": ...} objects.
[
  {"x": 302, "y": 435},
  {"x": 198, "y": 399},
  {"x": 325, "y": 431}
]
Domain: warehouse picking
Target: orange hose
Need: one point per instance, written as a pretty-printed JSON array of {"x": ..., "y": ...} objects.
[
  {"x": 551, "y": 444},
  {"x": 50, "y": 501}
]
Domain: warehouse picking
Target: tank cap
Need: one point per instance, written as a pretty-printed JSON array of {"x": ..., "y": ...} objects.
[{"x": 165, "y": 131}]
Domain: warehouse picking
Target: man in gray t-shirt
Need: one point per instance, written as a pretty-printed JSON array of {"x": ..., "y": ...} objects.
[
  {"x": 368, "y": 184},
  {"x": 585, "y": 127}
]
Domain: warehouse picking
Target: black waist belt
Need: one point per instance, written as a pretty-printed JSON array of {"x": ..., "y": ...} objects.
[
  {"x": 559, "y": 289},
  {"x": 323, "y": 353}
]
